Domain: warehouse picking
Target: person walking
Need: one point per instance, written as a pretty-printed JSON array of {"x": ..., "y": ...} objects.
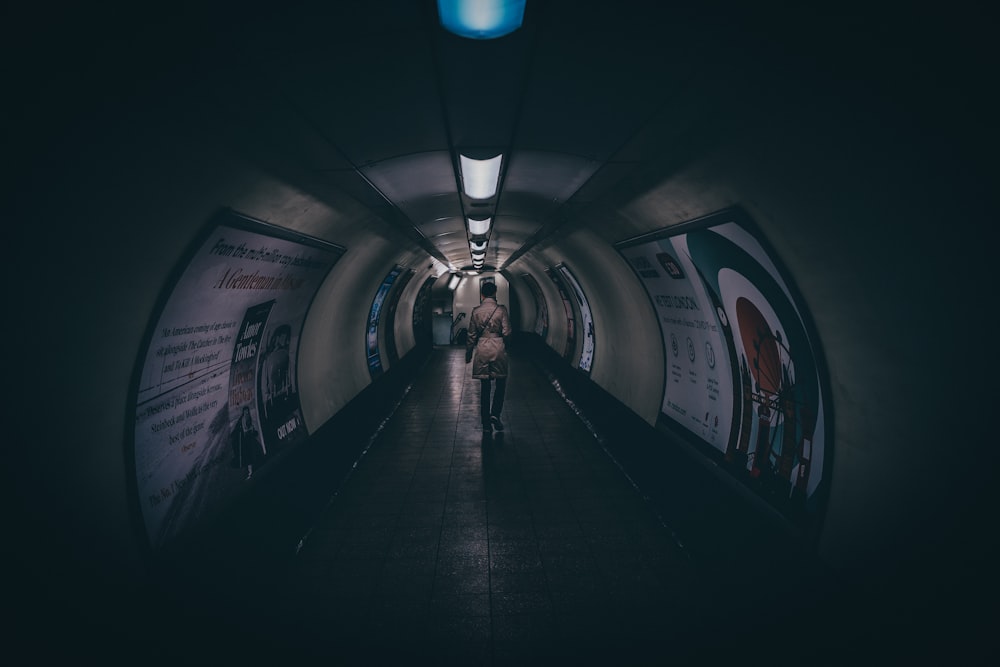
[{"x": 485, "y": 349}]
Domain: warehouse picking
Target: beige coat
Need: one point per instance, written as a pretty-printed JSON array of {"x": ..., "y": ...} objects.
[{"x": 488, "y": 326}]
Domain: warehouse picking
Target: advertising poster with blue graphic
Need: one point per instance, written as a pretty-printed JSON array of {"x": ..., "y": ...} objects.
[
  {"x": 742, "y": 372},
  {"x": 217, "y": 395},
  {"x": 374, "y": 318}
]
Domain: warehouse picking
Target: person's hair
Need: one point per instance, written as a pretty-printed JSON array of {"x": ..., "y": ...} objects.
[{"x": 489, "y": 289}]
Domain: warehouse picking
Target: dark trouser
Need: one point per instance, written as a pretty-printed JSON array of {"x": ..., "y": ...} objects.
[{"x": 484, "y": 399}]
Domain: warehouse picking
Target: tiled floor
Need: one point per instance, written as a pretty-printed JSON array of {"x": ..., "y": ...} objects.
[{"x": 463, "y": 547}]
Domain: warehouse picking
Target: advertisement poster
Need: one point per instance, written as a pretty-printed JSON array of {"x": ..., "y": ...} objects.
[
  {"x": 374, "y": 315},
  {"x": 742, "y": 372},
  {"x": 570, "y": 348},
  {"x": 587, "y": 319},
  {"x": 217, "y": 392},
  {"x": 541, "y": 309}
]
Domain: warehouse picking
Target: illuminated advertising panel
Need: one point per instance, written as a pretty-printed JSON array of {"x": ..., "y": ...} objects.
[
  {"x": 541, "y": 309},
  {"x": 586, "y": 319},
  {"x": 374, "y": 316},
  {"x": 743, "y": 370},
  {"x": 216, "y": 393}
]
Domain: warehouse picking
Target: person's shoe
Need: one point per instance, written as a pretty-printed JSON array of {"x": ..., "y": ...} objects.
[{"x": 497, "y": 424}]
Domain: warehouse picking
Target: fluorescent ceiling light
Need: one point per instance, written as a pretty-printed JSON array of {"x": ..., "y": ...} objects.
[
  {"x": 479, "y": 255},
  {"x": 477, "y": 246},
  {"x": 455, "y": 280},
  {"x": 479, "y": 227},
  {"x": 480, "y": 177},
  {"x": 481, "y": 19}
]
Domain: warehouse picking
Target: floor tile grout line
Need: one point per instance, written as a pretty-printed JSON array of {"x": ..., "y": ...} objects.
[
  {"x": 437, "y": 553},
  {"x": 548, "y": 450},
  {"x": 602, "y": 442},
  {"x": 413, "y": 476},
  {"x": 375, "y": 437},
  {"x": 372, "y": 439}
]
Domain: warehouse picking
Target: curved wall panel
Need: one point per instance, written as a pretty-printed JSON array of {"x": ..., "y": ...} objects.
[
  {"x": 744, "y": 375},
  {"x": 218, "y": 394},
  {"x": 556, "y": 334},
  {"x": 403, "y": 323},
  {"x": 586, "y": 332},
  {"x": 336, "y": 342},
  {"x": 136, "y": 200},
  {"x": 534, "y": 307},
  {"x": 628, "y": 358},
  {"x": 569, "y": 349}
]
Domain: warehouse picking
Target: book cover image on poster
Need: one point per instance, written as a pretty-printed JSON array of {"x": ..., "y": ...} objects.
[
  {"x": 217, "y": 395},
  {"x": 741, "y": 372}
]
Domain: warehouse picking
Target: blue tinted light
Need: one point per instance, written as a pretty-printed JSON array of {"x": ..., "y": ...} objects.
[{"x": 481, "y": 19}]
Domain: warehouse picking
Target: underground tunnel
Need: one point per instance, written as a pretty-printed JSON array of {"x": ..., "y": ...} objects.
[{"x": 744, "y": 250}]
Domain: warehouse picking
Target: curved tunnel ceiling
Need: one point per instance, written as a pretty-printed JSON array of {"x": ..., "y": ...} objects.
[
  {"x": 429, "y": 96},
  {"x": 586, "y": 103},
  {"x": 379, "y": 105}
]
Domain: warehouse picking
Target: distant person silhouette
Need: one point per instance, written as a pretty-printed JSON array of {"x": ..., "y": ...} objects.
[{"x": 485, "y": 348}]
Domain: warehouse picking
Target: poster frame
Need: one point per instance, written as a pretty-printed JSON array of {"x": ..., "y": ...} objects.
[
  {"x": 579, "y": 301},
  {"x": 810, "y": 522},
  {"x": 572, "y": 325},
  {"x": 227, "y": 217},
  {"x": 377, "y": 334},
  {"x": 541, "y": 306}
]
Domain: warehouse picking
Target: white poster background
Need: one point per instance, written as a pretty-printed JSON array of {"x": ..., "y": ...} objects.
[
  {"x": 699, "y": 391},
  {"x": 183, "y": 418},
  {"x": 699, "y": 387}
]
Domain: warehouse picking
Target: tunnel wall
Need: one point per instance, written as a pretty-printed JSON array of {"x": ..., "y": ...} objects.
[
  {"x": 333, "y": 340},
  {"x": 525, "y": 301},
  {"x": 871, "y": 225},
  {"x": 628, "y": 355},
  {"x": 881, "y": 226},
  {"x": 113, "y": 236}
]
